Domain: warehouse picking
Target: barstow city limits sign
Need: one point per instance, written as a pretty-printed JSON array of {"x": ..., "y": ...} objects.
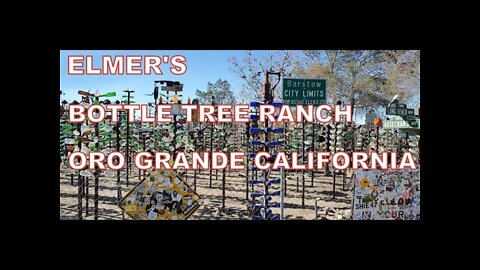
[{"x": 304, "y": 91}]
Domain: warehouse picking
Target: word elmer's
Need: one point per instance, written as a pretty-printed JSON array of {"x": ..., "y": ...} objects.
[{"x": 126, "y": 65}]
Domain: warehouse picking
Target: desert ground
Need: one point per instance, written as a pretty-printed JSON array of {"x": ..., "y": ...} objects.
[{"x": 211, "y": 209}]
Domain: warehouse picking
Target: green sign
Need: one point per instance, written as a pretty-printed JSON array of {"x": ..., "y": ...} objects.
[
  {"x": 400, "y": 109},
  {"x": 413, "y": 123},
  {"x": 304, "y": 91},
  {"x": 397, "y": 111},
  {"x": 407, "y": 116},
  {"x": 399, "y": 122}
]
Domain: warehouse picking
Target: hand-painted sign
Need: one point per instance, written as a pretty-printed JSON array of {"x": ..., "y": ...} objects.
[
  {"x": 161, "y": 195},
  {"x": 386, "y": 195}
]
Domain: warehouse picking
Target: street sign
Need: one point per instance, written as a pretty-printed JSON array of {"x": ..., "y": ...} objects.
[
  {"x": 399, "y": 122},
  {"x": 400, "y": 109},
  {"x": 304, "y": 91},
  {"x": 397, "y": 111},
  {"x": 413, "y": 123},
  {"x": 173, "y": 88},
  {"x": 411, "y": 120},
  {"x": 161, "y": 195}
]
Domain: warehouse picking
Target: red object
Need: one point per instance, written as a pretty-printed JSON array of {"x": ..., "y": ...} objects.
[{"x": 377, "y": 122}]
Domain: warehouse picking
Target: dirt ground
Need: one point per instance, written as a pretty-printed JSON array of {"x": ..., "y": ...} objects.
[{"x": 235, "y": 204}]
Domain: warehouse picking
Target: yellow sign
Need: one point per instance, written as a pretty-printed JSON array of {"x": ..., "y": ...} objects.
[{"x": 161, "y": 195}]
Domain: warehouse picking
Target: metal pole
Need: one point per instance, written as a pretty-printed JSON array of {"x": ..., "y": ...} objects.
[
  {"x": 211, "y": 148},
  {"x": 282, "y": 193},
  {"x": 344, "y": 171},
  {"x": 285, "y": 174},
  {"x": 80, "y": 182},
  {"x": 174, "y": 152},
  {"x": 97, "y": 171},
  {"x": 353, "y": 194},
  {"x": 354, "y": 141},
  {"x": 246, "y": 173},
  {"x": 195, "y": 171},
  {"x": 303, "y": 160},
  {"x": 127, "y": 151},
  {"x": 119, "y": 195},
  {"x": 86, "y": 195},
  {"x": 224, "y": 169},
  {"x": 313, "y": 148},
  {"x": 267, "y": 97},
  {"x": 327, "y": 146},
  {"x": 297, "y": 180},
  {"x": 335, "y": 148},
  {"x": 117, "y": 133},
  {"x": 186, "y": 176}
]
